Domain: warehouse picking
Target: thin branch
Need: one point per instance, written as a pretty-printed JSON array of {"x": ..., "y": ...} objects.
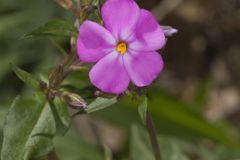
[
  {"x": 79, "y": 6},
  {"x": 153, "y": 136}
]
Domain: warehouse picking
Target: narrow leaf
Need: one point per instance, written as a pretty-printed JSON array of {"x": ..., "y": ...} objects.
[
  {"x": 55, "y": 28},
  {"x": 72, "y": 146},
  {"x": 61, "y": 116},
  {"x": 140, "y": 150},
  {"x": 26, "y": 77},
  {"x": 170, "y": 115},
  {"x": 100, "y": 103},
  {"x": 171, "y": 149},
  {"x": 142, "y": 109},
  {"x": 108, "y": 152}
]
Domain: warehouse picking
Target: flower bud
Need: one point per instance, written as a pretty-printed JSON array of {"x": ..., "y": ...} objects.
[
  {"x": 74, "y": 100},
  {"x": 73, "y": 40},
  {"x": 169, "y": 31}
]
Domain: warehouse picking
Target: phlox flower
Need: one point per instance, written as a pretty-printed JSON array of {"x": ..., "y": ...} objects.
[{"x": 124, "y": 49}]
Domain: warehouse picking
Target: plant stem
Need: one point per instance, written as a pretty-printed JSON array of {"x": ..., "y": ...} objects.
[
  {"x": 52, "y": 156},
  {"x": 153, "y": 136}
]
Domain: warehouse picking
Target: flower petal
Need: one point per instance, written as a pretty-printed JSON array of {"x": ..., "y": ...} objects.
[
  {"x": 143, "y": 67},
  {"x": 109, "y": 74},
  {"x": 120, "y": 17},
  {"x": 94, "y": 42},
  {"x": 148, "y": 35}
]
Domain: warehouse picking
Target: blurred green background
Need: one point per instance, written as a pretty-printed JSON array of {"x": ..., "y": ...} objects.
[{"x": 195, "y": 102}]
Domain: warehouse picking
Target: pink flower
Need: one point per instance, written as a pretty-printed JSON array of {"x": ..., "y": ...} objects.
[{"x": 124, "y": 49}]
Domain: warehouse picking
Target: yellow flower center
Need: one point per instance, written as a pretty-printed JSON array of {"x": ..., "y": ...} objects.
[{"x": 122, "y": 48}]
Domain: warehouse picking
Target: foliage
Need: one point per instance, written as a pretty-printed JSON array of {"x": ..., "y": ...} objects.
[
  {"x": 39, "y": 120},
  {"x": 54, "y": 28}
]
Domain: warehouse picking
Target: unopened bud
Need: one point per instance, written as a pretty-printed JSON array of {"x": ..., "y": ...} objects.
[
  {"x": 74, "y": 100},
  {"x": 73, "y": 41},
  {"x": 169, "y": 31}
]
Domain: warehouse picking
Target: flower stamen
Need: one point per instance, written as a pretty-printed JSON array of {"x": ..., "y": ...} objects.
[{"x": 122, "y": 48}]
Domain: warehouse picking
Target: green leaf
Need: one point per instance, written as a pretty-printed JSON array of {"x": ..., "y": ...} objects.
[
  {"x": 61, "y": 116},
  {"x": 171, "y": 150},
  {"x": 100, "y": 103},
  {"x": 182, "y": 116},
  {"x": 73, "y": 146},
  {"x": 55, "y": 28},
  {"x": 24, "y": 123},
  {"x": 142, "y": 109},
  {"x": 3, "y": 112},
  {"x": 171, "y": 115},
  {"x": 108, "y": 152},
  {"x": 141, "y": 148},
  {"x": 26, "y": 77},
  {"x": 202, "y": 92}
]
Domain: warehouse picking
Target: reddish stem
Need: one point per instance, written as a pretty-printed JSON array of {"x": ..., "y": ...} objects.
[{"x": 153, "y": 136}]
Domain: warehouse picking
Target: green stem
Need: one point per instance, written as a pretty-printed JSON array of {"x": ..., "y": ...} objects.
[{"x": 153, "y": 136}]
